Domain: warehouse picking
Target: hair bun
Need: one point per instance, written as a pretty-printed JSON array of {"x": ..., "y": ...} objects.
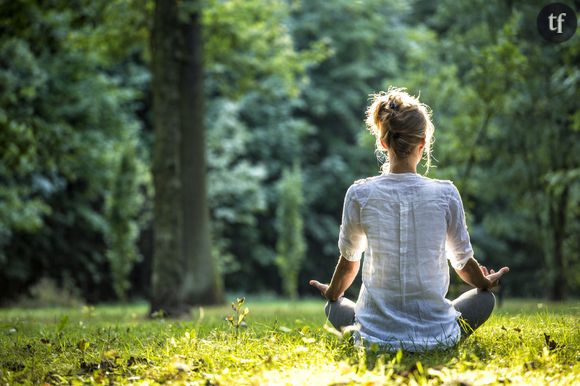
[{"x": 400, "y": 123}]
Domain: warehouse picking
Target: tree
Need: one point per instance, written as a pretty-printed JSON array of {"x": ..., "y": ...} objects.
[
  {"x": 291, "y": 244},
  {"x": 184, "y": 272},
  {"x": 505, "y": 108},
  {"x": 66, "y": 121},
  {"x": 254, "y": 77}
]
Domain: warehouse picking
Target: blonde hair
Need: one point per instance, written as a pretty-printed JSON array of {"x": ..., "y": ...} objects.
[{"x": 402, "y": 122}]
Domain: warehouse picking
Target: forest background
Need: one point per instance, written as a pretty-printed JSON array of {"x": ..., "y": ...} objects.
[{"x": 286, "y": 86}]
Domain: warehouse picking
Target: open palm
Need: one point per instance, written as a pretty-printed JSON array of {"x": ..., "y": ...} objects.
[{"x": 493, "y": 276}]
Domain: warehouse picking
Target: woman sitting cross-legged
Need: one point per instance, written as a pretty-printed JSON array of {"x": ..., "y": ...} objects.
[{"x": 408, "y": 226}]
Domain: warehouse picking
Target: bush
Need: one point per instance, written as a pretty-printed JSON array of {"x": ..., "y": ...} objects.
[{"x": 46, "y": 293}]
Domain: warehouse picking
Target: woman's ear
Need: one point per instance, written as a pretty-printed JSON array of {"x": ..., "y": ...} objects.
[
  {"x": 422, "y": 144},
  {"x": 384, "y": 144}
]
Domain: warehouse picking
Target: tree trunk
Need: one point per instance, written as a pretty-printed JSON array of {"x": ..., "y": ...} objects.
[{"x": 184, "y": 272}]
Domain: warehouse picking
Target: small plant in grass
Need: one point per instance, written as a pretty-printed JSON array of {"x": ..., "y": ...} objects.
[{"x": 237, "y": 318}]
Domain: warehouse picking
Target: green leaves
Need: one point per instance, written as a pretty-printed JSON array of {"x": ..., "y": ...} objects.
[
  {"x": 62, "y": 324},
  {"x": 236, "y": 320},
  {"x": 83, "y": 345},
  {"x": 504, "y": 112},
  {"x": 247, "y": 42},
  {"x": 66, "y": 122},
  {"x": 291, "y": 245},
  {"x": 285, "y": 81}
]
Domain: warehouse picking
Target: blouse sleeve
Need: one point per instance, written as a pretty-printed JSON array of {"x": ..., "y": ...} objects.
[
  {"x": 457, "y": 235},
  {"x": 352, "y": 240}
]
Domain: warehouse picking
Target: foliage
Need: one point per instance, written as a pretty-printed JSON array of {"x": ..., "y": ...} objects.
[
  {"x": 498, "y": 126},
  {"x": 252, "y": 87},
  {"x": 46, "y": 293},
  {"x": 285, "y": 81},
  {"x": 114, "y": 344},
  {"x": 125, "y": 201},
  {"x": 234, "y": 182},
  {"x": 65, "y": 120},
  {"x": 248, "y": 48},
  {"x": 291, "y": 245}
]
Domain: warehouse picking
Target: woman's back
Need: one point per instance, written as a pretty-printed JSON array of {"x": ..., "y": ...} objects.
[
  {"x": 404, "y": 221},
  {"x": 407, "y": 225}
]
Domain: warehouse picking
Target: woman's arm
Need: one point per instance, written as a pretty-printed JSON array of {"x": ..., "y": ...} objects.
[
  {"x": 474, "y": 274},
  {"x": 344, "y": 274}
]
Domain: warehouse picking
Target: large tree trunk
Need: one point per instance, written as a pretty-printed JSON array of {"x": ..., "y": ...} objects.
[{"x": 184, "y": 272}]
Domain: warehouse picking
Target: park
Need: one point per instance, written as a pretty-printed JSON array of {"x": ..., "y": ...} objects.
[{"x": 174, "y": 174}]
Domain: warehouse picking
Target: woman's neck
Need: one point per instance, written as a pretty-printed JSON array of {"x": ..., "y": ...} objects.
[
  {"x": 399, "y": 171},
  {"x": 402, "y": 167}
]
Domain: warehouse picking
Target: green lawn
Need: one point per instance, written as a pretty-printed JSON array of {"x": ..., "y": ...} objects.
[{"x": 284, "y": 343}]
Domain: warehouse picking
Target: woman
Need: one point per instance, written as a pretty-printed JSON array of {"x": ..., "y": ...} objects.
[{"x": 408, "y": 226}]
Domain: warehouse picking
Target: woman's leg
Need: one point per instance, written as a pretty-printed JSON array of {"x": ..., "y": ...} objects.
[
  {"x": 475, "y": 306},
  {"x": 340, "y": 313}
]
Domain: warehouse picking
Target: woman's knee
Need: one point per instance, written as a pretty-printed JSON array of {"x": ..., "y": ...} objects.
[
  {"x": 340, "y": 313},
  {"x": 488, "y": 300},
  {"x": 332, "y": 308},
  {"x": 476, "y": 307},
  {"x": 485, "y": 306}
]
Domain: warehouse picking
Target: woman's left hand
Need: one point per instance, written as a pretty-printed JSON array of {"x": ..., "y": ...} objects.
[{"x": 493, "y": 276}]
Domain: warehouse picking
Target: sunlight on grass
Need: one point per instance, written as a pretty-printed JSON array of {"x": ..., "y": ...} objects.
[{"x": 525, "y": 342}]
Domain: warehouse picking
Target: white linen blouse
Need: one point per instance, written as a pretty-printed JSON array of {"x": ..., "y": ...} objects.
[{"x": 408, "y": 226}]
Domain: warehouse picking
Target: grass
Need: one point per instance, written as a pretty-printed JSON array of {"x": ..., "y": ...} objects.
[{"x": 284, "y": 343}]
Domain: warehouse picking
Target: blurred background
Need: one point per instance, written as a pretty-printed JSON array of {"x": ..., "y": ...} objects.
[{"x": 286, "y": 84}]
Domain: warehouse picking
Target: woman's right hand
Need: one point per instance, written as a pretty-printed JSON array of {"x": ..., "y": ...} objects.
[
  {"x": 319, "y": 286},
  {"x": 323, "y": 288},
  {"x": 478, "y": 276}
]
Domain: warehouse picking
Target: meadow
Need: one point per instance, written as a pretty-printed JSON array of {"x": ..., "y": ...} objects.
[{"x": 278, "y": 342}]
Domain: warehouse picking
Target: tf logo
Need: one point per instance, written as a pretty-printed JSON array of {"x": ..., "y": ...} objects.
[{"x": 557, "y": 22}]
